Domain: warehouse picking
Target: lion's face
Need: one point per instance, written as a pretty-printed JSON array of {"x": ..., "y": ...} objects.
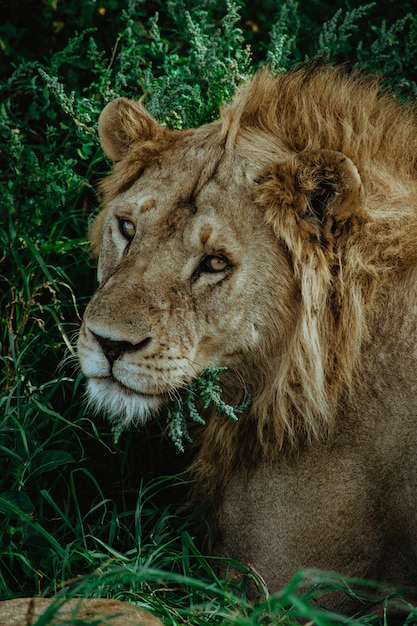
[{"x": 187, "y": 266}]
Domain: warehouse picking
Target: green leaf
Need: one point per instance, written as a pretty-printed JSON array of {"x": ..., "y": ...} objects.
[
  {"x": 18, "y": 500},
  {"x": 49, "y": 460}
]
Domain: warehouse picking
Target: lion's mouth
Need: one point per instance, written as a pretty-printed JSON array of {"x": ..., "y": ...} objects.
[{"x": 121, "y": 387}]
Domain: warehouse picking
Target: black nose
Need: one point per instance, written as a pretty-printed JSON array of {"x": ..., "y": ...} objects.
[{"x": 113, "y": 349}]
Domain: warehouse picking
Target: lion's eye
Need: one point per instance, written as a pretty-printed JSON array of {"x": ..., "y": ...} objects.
[
  {"x": 211, "y": 264},
  {"x": 214, "y": 264},
  {"x": 127, "y": 228}
]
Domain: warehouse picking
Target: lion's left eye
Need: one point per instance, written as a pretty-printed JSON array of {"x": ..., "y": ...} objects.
[
  {"x": 214, "y": 264},
  {"x": 127, "y": 229}
]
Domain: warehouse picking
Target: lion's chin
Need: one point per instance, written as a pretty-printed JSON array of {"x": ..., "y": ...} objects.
[{"x": 120, "y": 403}]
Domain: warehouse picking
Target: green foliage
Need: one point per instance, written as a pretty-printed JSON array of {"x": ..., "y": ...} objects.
[
  {"x": 282, "y": 50},
  {"x": 336, "y": 33},
  {"x": 206, "y": 390},
  {"x": 79, "y": 513}
]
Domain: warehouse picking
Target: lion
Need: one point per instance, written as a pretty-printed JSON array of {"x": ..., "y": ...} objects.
[{"x": 280, "y": 242}]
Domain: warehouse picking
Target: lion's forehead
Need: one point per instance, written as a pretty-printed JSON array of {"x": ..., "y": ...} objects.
[{"x": 202, "y": 213}]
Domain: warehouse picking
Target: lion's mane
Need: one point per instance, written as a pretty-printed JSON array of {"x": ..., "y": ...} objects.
[{"x": 337, "y": 270}]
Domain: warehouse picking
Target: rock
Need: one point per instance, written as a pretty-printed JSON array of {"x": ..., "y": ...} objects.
[{"x": 25, "y": 611}]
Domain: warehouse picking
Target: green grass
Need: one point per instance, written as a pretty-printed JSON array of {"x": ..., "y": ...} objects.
[{"x": 81, "y": 515}]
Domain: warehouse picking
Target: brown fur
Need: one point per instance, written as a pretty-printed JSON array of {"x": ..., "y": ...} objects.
[{"x": 307, "y": 185}]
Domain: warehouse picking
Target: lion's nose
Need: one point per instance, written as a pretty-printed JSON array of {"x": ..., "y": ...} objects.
[{"x": 113, "y": 349}]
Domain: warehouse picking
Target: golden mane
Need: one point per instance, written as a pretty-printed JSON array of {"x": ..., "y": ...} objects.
[
  {"x": 323, "y": 107},
  {"x": 304, "y": 112}
]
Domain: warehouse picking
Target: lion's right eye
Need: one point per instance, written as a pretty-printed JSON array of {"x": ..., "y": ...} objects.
[{"x": 127, "y": 229}]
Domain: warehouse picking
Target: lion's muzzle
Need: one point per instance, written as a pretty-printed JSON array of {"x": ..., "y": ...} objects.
[{"x": 113, "y": 349}]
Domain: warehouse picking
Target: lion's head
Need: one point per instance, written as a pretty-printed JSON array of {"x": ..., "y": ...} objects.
[
  {"x": 245, "y": 244},
  {"x": 187, "y": 268}
]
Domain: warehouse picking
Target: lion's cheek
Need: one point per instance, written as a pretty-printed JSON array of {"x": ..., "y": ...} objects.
[{"x": 224, "y": 346}]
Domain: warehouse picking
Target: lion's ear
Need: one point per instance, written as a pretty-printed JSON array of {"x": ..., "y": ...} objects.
[
  {"x": 122, "y": 123},
  {"x": 322, "y": 189}
]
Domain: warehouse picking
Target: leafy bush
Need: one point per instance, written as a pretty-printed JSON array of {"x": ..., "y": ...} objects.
[{"x": 79, "y": 512}]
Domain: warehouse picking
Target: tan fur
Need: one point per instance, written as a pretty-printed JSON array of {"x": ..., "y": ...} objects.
[
  {"x": 307, "y": 186},
  {"x": 94, "y": 611}
]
